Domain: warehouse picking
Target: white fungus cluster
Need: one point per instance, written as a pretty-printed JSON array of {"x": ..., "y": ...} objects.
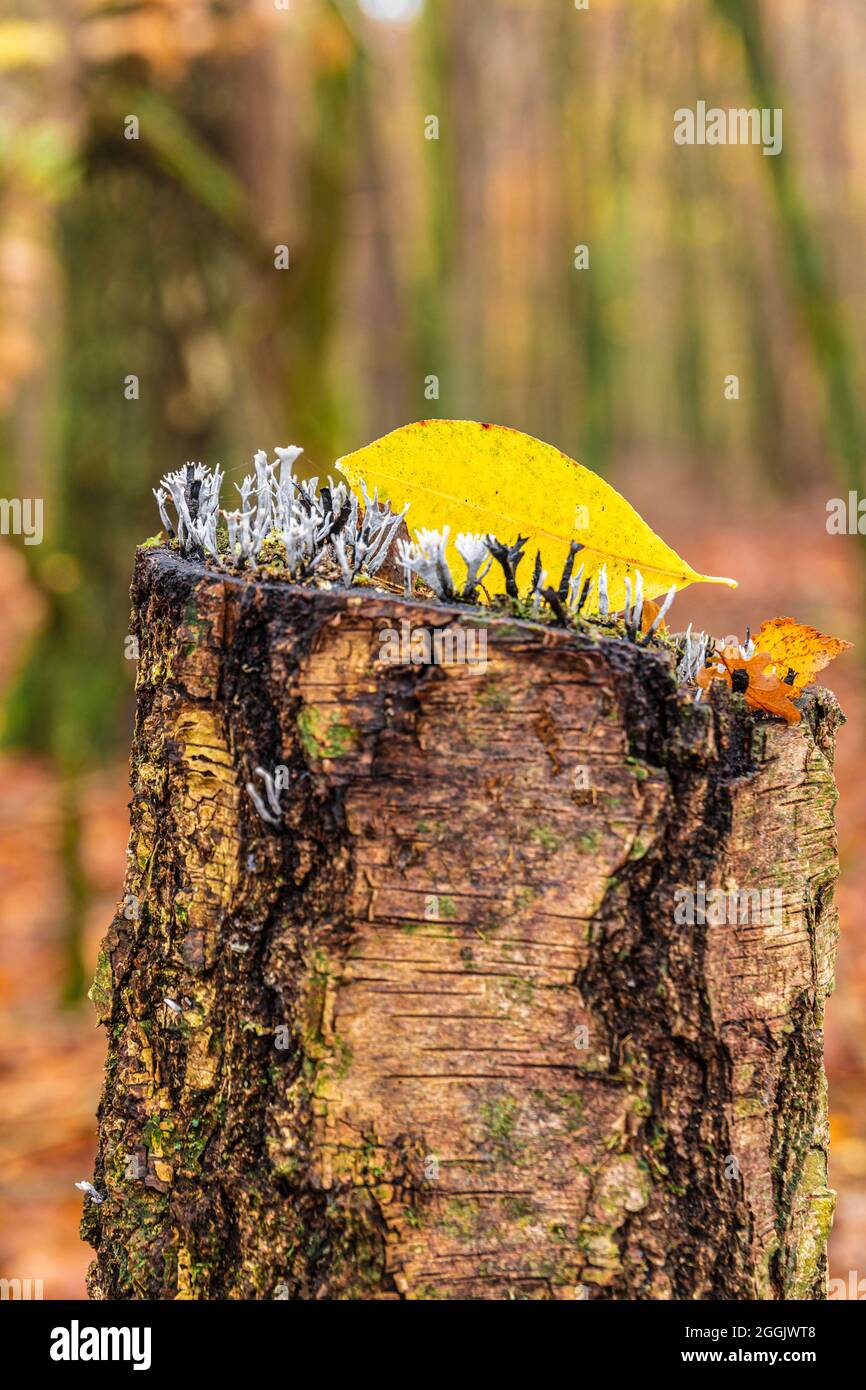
[
  {"x": 306, "y": 520},
  {"x": 310, "y": 522}
]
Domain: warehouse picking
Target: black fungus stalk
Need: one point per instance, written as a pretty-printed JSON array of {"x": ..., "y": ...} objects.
[
  {"x": 509, "y": 558},
  {"x": 556, "y": 605},
  {"x": 584, "y": 593},
  {"x": 536, "y": 572},
  {"x": 567, "y": 570}
]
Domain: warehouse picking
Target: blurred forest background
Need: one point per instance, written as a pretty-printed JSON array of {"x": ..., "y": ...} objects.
[{"x": 304, "y": 124}]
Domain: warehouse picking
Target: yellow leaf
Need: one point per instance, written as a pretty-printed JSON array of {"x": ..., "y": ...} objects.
[
  {"x": 798, "y": 648},
  {"x": 492, "y": 480}
]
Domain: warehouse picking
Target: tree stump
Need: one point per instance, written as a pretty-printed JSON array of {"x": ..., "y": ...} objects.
[{"x": 426, "y": 1021}]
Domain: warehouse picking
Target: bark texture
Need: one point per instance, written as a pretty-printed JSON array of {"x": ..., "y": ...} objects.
[{"x": 437, "y": 1033}]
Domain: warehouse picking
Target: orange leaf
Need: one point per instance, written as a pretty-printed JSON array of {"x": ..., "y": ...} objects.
[
  {"x": 792, "y": 646},
  {"x": 753, "y": 678},
  {"x": 648, "y": 616}
]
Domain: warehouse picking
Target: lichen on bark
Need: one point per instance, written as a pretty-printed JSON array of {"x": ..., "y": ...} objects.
[{"x": 434, "y": 1032}]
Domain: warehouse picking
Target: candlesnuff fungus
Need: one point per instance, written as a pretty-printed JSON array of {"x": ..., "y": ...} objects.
[
  {"x": 473, "y": 551},
  {"x": 274, "y": 815},
  {"x": 304, "y": 525},
  {"x": 509, "y": 558},
  {"x": 601, "y": 587},
  {"x": 304, "y": 519},
  {"x": 309, "y": 523},
  {"x": 90, "y": 1191},
  {"x": 426, "y": 558}
]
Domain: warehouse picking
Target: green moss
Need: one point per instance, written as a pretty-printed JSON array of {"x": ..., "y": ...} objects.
[
  {"x": 100, "y": 993},
  {"x": 815, "y": 1205},
  {"x": 461, "y": 1218},
  {"x": 324, "y": 738},
  {"x": 435, "y": 828},
  {"x": 342, "y": 1058},
  {"x": 573, "y": 1107},
  {"x": 520, "y": 1210},
  {"x": 744, "y": 1106},
  {"x": 355, "y": 1246},
  {"x": 500, "y": 1121},
  {"x": 519, "y": 989},
  {"x": 195, "y": 1143},
  {"x": 541, "y": 835},
  {"x": 622, "y": 1187},
  {"x": 494, "y": 697},
  {"x": 152, "y": 1134}
]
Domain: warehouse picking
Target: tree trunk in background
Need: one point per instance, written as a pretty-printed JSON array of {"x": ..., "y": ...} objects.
[{"x": 436, "y": 1033}]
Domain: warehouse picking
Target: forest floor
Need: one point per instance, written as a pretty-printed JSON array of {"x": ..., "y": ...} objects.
[{"x": 51, "y": 1056}]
